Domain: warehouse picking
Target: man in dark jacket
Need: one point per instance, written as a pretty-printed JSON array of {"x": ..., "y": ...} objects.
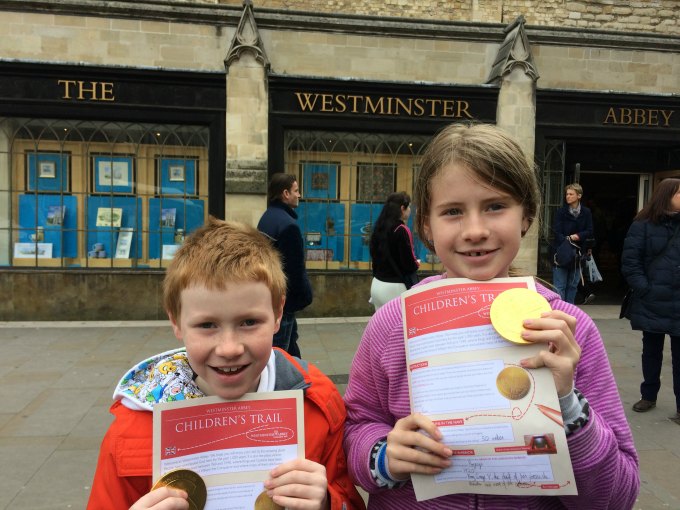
[{"x": 279, "y": 223}]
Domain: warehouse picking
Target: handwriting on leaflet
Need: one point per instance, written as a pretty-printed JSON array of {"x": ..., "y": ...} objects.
[
  {"x": 508, "y": 470},
  {"x": 493, "y": 414}
]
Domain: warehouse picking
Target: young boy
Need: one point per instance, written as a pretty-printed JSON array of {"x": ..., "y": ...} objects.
[{"x": 224, "y": 294}]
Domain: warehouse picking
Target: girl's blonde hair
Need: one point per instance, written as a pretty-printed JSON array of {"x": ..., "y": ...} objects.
[
  {"x": 220, "y": 253},
  {"x": 495, "y": 158}
]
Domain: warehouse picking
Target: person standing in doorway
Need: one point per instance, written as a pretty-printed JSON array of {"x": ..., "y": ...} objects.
[
  {"x": 393, "y": 260},
  {"x": 650, "y": 262},
  {"x": 575, "y": 222},
  {"x": 279, "y": 223}
]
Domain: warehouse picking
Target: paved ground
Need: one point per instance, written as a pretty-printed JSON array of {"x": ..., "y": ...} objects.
[{"x": 56, "y": 381}]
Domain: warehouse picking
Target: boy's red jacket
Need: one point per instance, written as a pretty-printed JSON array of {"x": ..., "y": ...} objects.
[{"x": 124, "y": 467}]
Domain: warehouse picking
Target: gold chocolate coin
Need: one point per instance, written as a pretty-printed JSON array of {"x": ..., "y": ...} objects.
[
  {"x": 190, "y": 482},
  {"x": 512, "y": 307},
  {"x": 264, "y": 502},
  {"x": 513, "y": 383}
]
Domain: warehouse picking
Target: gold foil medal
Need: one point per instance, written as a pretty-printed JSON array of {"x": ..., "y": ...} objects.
[
  {"x": 190, "y": 482},
  {"x": 264, "y": 502},
  {"x": 513, "y": 383},
  {"x": 512, "y": 307}
]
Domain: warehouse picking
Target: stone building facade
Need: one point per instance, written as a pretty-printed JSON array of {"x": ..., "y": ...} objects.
[{"x": 168, "y": 112}]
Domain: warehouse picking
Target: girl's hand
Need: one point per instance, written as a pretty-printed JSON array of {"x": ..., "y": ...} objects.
[
  {"x": 163, "y": 498},
  {"x": 556, "y": 329},
  {"x": 299, "y": 484},
  {"x": 410, "y": 451}
]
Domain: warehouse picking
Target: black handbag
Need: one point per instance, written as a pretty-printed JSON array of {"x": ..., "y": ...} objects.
[
  {"x": 624, "y": 313},
  {"x": 567, "y": 253}
]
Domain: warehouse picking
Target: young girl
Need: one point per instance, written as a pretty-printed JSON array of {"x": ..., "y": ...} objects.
[{"x": 476, "y": 197}]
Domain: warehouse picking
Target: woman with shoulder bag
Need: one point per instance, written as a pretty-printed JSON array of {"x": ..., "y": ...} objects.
[
  {"x": 394, "y": 262},
  {"x": 572, "y": 225},
  {"x": 651, "y": 266}
]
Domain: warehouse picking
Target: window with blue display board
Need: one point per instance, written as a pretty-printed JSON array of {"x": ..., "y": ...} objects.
[
  {"x": 358, "y": 170},
  {"x": 106, "y": 216},
  {"x": 85, "y": 193},
  {"x": 170, "y": 217},
  {"x": 57, "y": 217},
  {"x": 323, "y": 228},
  {"x": 320, "y": 180},
  {"x": 363, "y": 218},
  {"x": 113, "y": 173},
  {"x": 48, "y": 172},
  {"x": 177, "y": 176}
]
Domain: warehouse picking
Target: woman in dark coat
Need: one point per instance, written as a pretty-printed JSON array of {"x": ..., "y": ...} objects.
[
  {"x": 651, "y": 266},
  {"x": 574, "y": 221},
  {"x": 394, "y": 262}
]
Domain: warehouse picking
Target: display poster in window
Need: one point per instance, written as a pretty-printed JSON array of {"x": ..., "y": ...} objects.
[
  {"x": 32, "y": 250},
  {"x": 113, "y": 174},
  {"x": 503, "y": 422},
  {"x": 375, "y": 181},
  {"x": 176, "y": 173},
  {"x": 320, "y": 180},
  {"x": 109, "y": 216},
  {"x": 168, "y": 217},
  {"x": 55, "y": 215},
  {"x": 169, "y": 250},
  {"x": 178, "y": 176},
  {"x": 231, "y": 445},
  {"x": 47, "y": 172},
  {"x": 124, "y": 243}
]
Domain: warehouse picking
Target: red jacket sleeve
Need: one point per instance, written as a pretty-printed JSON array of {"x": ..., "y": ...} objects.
[
  {"x": 124, "y": 469},
  {"x": 324, "y": 430}
]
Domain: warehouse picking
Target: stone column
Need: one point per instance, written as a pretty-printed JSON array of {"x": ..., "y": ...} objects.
[
  {"x": 247, "y": 122},
  {"x": 6, "y": 246},
  {"x": 515, "y": 72}
]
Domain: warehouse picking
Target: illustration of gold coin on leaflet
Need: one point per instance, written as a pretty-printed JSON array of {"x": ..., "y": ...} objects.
[
  {"x": 513, "y": 383},
  {"x": 190, "y": 482},
  {"x": 512, "y": 307},
  {"x": 264, "y": 502}
]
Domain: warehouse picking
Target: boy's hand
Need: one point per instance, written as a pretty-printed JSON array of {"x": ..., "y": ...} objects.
[
  {"x": 163, "y": 498},
  {"x": 556, "y": 329},
  {"x": 410, "y": 451},
  {"x": 299, "y": 484}
]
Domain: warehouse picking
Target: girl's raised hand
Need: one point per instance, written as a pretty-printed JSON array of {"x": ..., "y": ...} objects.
[
  {"x": 411, "y": 451},
  {"x": 556, "y": 330}
]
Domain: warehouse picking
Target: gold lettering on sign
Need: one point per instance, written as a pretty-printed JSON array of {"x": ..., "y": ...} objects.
[
  {"x": 638, "y": 116},
  {"x": 87, "y": 90},
  {"x": 383, "y": 105}
]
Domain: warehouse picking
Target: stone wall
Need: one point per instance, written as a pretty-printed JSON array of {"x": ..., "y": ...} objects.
[
  {"x": 138, "y": 295},
  {"x": 56, "y": 38},
  {"x": 658, "y": 16}
]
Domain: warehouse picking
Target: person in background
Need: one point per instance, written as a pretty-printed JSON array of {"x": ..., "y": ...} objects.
[
  {"x": 650, "y": 265},
  {"x": 575, "y": 221},
  {"x": 476, "y": 197},
  {"x": 279, "y": 223},
  {"x": 393, "y": 260},
  {"x": 223, "y": 293}
]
